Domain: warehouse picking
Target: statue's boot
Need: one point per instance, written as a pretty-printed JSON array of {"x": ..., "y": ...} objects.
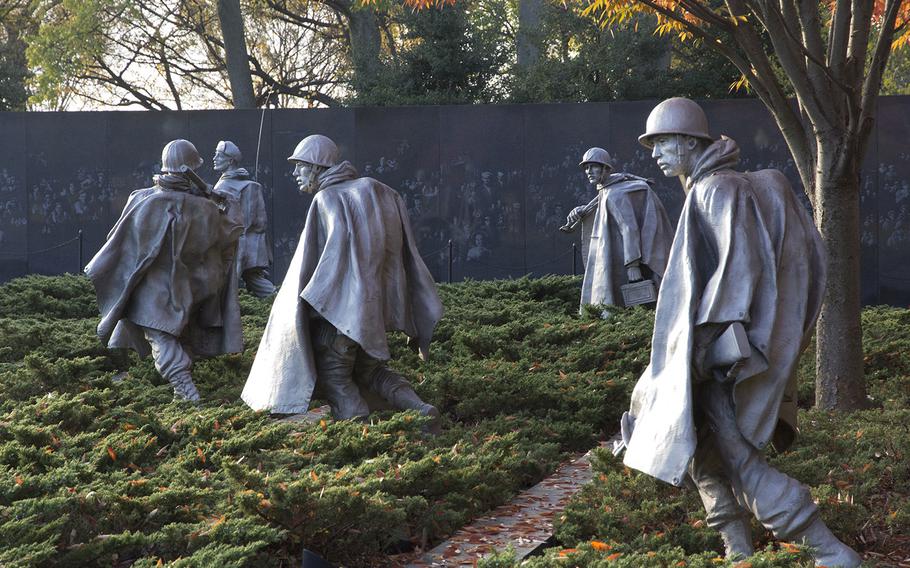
[
  {"x": 737, "y": 537},
  {"x": 828, "y": 550},
  {"x": 405, "y": 398},
  {"x": 184, "y": 388},
  {"x": 398, "y": 391}
]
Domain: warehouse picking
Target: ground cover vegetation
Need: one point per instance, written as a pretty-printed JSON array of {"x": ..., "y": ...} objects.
[{"x": 99, "y": 467}]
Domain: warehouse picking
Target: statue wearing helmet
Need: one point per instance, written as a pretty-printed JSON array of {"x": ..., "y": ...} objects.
[
  {"x": 245, "y": 199},
  {"x": 626, "y": 234},
  {"x": 738, "y": 304},
  {"x": 356, "y": 275},
  {"x": 162, "y": 276}
]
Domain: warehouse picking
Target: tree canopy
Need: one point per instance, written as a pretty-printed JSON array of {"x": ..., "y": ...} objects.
[{"x": 160, "y": 55}]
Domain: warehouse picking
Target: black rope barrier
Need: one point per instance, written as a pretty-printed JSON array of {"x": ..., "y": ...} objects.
[{"x": 29, "y": 253}]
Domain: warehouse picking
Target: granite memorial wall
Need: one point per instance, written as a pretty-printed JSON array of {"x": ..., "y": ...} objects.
[{"x": 497, "y": 181}]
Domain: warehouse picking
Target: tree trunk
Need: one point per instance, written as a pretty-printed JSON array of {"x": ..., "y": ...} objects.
[
  {"x": 366, "y": 46},
  {"x": 839, "y": 383},
  {"x": 237, "y": 59},
  {"x": 526, "y": 48}
]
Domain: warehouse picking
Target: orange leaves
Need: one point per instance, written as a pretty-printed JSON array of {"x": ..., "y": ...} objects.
[
  {"x": 600, "y": 546},
  {"x": 313, "y": 476},
  {"x": 323, "y": 425},
  {"x": 740, "y": 84},
  {"x": 200, "y": 454},
  {"x": 414, "y": 4},
  {"x": 111, "y": 453}
]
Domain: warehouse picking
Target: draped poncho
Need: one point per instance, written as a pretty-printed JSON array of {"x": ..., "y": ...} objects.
[
  {"x": 745, "y": 251},
  {"x": 357, "y": 266}
]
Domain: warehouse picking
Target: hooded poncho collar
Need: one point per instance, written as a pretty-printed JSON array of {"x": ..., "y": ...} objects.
[
  {"x": 173, "y": 182},
  {"x": 613, "y": 179},
  {"x": 237, "y": 173},
  {"x": 336, "y": 174},
  {"x": 723, "y": 154}
]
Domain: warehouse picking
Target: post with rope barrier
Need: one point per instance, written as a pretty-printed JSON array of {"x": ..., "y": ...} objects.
[
  {"x": 450, "y": 261},
  {"x": 574, "y": 260},
  {"x": 81, "y": 243}
]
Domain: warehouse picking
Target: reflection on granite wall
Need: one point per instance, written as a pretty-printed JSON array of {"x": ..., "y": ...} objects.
[{"x": 497, "y": 181}]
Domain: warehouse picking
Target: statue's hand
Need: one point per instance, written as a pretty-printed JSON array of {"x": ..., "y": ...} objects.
[
  {"x": 634, "y": 273},
  {"x": 575, "y": 215}
]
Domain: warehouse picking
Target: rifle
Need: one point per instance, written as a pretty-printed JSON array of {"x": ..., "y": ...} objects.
[{"x": 204, "y": 189}]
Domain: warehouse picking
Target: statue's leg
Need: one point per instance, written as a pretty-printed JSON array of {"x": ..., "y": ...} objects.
[
  {"x": 782, "y": 504},
  {"x": 724, "y": 514},
  {"x": 377, "y": 377},
  {"x": 173, "y": 363},
  {"x": 335, "y": 354},
  {"x": 257, "y": 283}
]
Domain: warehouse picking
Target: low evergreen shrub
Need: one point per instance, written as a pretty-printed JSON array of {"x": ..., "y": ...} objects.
[{"x": 99, "y": 467}]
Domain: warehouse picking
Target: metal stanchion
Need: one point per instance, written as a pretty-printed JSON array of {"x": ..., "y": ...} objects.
[
  {"x": 450, "y": 261},
  {"x": 81, "y": 249}
]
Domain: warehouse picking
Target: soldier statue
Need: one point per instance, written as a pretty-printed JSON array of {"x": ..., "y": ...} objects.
[
  {"x": 163, "y": 276},
  {"x": 630, "y": 234},
  {"x": 245, "y": 201},
  {"x": 356, "y": 275},
  {"x": 738, "y": 304}
]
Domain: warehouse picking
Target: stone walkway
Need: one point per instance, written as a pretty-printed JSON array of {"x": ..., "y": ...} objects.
[{"x": 525, "y": 523}]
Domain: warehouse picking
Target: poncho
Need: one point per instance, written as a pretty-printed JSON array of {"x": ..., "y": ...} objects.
[
  {"x": 745, "y": 251},
  {"x": 164, "y": 266},
  {"x": 630, "y": 224},
  {"x": 357, "y": 266},
  {"x": 247, "y": 203}
]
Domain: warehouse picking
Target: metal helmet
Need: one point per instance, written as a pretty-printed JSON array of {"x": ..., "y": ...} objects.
[
  {"x": 229, "y": 149},
  {"x": 678, "y": 115},
  {"x": 597, "y": 156},
  {"x": 316, "y": 149},
  {"x": 177, "y": 153}
]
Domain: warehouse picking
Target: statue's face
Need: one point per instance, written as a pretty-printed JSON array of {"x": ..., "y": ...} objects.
[
  {"x": 306, "y": 175},
  {"x": 671, "y": 153},
  {"x": 595, "y": 172},
  {"x": 221, "y": 162}
]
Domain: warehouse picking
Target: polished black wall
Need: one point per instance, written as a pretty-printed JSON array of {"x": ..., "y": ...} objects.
[{"x": 496, "y": 180}]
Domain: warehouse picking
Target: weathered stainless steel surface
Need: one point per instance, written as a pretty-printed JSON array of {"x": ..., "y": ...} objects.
[
  {"x": 247, "y": 205},
  {"x": 630, "y": 232},
  {"x": 355, "y": 276},
  {"x": 162, "y": 276},
  {"x": 747, "y": 253}
]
